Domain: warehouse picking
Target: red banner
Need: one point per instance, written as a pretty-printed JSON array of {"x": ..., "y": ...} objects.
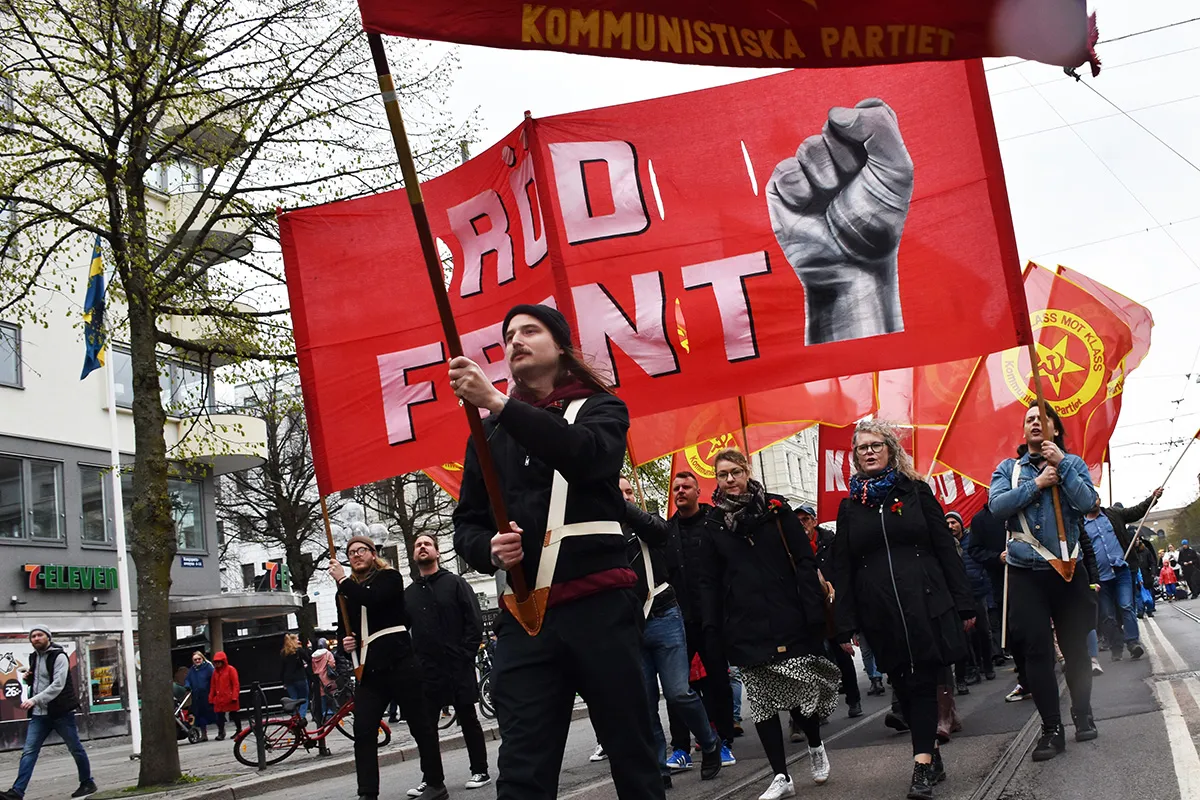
[
  {"x": 1080, "y": 345},
  {"x": 923, "y": 399},
  {"x": 835, "y": 465},
  {"x": 800, "y": 240},
  {"x": 756, "y": 33}
]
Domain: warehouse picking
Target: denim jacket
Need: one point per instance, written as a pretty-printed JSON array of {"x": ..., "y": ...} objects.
[{"x": 1075, "y": 489}]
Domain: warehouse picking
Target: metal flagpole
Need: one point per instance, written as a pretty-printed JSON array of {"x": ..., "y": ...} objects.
[
  {"x": 135, "y": 710},
  {"x": 1154, "y": 502}
]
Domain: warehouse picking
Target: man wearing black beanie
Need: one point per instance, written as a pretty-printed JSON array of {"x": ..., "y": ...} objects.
[{"x": 559, "y": 444}]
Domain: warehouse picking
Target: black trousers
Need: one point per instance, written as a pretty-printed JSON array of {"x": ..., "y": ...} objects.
[
  {"x": 714, "y": 690},
  {"x": 400, "y": 683},
  {"x": 979, "y": 638},
  {"x": 1036, "y": 597},
  {"x": 916, "y": 691},
  {"x": 845, "y": 663},
  {"x": 593, "y": 647},
  {"x": 463, "y": 698},
  {"x": 233, "y": 717}
]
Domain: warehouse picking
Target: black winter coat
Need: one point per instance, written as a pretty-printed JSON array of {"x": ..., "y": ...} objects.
[
  {"x": 900, "y": 580},
  {"x": 684, "y": 559},
  {"x": 529, "y": 445},
  {"x": 763, "y": 609},
  {"x": 297, "y": 667},
  {"x": 383, "y": 597},
  {"x": 447, "y": 628},
  {"x": 642, "y": 526}
]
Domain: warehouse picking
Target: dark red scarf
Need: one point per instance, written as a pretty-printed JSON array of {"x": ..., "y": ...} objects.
[{"x": 570, "y": 389}]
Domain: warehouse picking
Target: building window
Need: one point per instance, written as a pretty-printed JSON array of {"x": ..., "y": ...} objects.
[
  {"x": 247, "y": 576},
  {"x": 425, "y": 494},
  {"x": 96, "y": 491},
  {"x": 10, "y": 355},
  {"x": 187, "y": 509},
  {"x": 183, "y": 388},
  {"x": 31, "y": 499},
  {"x": 176, "y": 176},
  {"x": 8, "y": 230}
]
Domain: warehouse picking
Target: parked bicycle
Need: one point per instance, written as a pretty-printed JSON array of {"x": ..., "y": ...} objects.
[
  {"x": 282, "y": 737},
  {"x": 483, "y": 667}
]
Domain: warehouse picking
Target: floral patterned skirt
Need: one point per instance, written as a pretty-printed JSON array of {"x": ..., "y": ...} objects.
[{"x": 807, "y": 683}]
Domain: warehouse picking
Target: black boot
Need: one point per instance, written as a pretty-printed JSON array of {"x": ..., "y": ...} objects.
[
  {"x": 922, "y": 782},
  {"x": 667, "y": 780},
  {"x": 1085, "y": 726},
  {"x": 939, "y": 768},
  {"x": 876, "y": 689},
  {"x": 710, "y": 764},
  {"x": 895, "y": 720},
  {"x": 855, "y": 710},
  {"x": 960, "y": 688},
  {"x": 973, "y": 676},
  {"x": 1052, "y": 742}
]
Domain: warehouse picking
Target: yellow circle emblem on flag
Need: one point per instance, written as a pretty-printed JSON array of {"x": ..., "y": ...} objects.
[
  {"x": 1070, "y": 360},
  {"x": 700, "y": 456}
]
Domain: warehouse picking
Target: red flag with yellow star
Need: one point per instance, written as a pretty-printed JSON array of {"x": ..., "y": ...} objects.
[{"x": 1080, "y": 345}]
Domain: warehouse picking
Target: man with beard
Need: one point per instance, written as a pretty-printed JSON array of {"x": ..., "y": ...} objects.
[
  {"x": 558, "y": 443},
  {"x": 377, "y": 619},
  {"x": 447, "y": 628}
]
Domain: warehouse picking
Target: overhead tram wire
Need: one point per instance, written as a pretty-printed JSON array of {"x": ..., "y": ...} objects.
[{"x": 1108, "y": 41}]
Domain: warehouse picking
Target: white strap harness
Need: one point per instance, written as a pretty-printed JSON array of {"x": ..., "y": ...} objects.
[
  {"x": 1026, "y": 536},
  {"x": 655, "y": 591},
  {"x": 556, "y": 530},
  {"x": 369, "y": 637}
]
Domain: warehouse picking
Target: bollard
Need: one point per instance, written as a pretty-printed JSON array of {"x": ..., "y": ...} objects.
[{"x": 259, "y": 735}]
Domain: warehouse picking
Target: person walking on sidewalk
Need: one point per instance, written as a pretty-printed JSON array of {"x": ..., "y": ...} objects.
[
  {"x": 664, "y": 643},
  {"x": 900, "y": 581},
  {"x": 1038, "y": 595},
  {"x": 294, "y": 671},
  {"x": 763, "y": 598},
  {"x": 1189, "y": 563},
  {"x": 51, "y": 706},
  {"x": 324, "y": 666},
  {"x": 447, "y": 628},
  {"x": 558, "y": 443},
  {"x": 978, "y": 665},
  {"x": 1110, "y": 541},
  {"x": 223, "y": 693},
  {"x": 199, "y": 682},
  {"x": 378, "y": 617}
]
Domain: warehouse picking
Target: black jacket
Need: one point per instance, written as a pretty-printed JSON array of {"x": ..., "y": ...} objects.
[
  {"x": 529, "y": 444},
  {"x": 762, "y": 608},
  {"x": 383, "y": 597},
  {"x": 1119, "y": 518},
  {"x": 900, "y": 580},
  {"x": 823, "y": 549},
  {"x": 447, "y": 628},
  {"x": 1187, "y": 558},
  {"x": 684, "y": 554},
  {"x": 296, "y": 667},
  {"x": 1146, "y": 561},
  {"x": 642, "y": 526}
]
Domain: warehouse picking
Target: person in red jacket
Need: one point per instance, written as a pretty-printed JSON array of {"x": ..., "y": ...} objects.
[{"x": 223, "y": 693}]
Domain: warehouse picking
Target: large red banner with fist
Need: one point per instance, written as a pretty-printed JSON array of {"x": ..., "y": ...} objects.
[
  {"x": 806, "y": 225},
  {"x": 755, "y": 33}
]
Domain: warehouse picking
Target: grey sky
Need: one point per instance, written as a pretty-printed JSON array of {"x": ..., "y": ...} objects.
[{"x": 1088, "y": 187}]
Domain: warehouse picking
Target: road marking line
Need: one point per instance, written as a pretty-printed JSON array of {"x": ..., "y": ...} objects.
[
  {"x": 1183, "y": 750},
  {"x": 1172, "y": 654},
  {"x": 1153, "y": 649}
]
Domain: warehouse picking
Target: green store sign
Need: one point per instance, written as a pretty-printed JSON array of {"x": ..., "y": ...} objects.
[{"x": 81, "y": 578}]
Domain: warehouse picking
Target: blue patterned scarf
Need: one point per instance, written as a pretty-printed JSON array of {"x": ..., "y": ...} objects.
[{"x": 871, "y": 492}]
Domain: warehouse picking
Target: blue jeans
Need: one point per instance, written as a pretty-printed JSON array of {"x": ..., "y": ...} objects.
[
  {"x": 735, "y": 686},
  {"x": 39, "y": 728},
  {"x": 664, "y": 658},
  {"x": 868, "y": 657},
  {"x": 1116, "y": 609},
  {"x": 299, "y": 691},
  {"x": 1093, "y": 644}
]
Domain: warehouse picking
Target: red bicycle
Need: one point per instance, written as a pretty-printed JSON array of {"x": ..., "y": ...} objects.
[{"x": 282, "y": 737}]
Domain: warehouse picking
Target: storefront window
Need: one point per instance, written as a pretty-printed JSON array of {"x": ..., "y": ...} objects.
[{"x": 105, "y": 677}]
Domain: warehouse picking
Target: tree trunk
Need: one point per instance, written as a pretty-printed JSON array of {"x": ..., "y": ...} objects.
[
  {"x": 301, "y": 573},
  {"x": 153, "y": 545}
]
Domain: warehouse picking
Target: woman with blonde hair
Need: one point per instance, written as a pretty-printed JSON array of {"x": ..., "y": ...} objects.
[
  {"x": 763, "y": 604},
  {"x": 901, "y": 584},
  {"x": 295, "y": 670}
]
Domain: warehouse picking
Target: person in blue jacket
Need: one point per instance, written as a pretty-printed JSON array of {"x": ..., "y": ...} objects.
[
  {"x": 199, "y": 679},
  {"x": 1021, "y": 497}
]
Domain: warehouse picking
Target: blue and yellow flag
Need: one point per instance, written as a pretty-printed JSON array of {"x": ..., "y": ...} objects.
[{"x": 93, "y": 315}]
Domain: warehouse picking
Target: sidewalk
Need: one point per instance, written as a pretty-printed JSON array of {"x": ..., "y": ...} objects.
[{"x": 222, "y": 776}]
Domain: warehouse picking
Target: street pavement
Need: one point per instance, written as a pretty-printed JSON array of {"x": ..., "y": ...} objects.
[{"x": 1147, "y": 711}]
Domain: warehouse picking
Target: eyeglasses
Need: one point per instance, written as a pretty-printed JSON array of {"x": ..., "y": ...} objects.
[
  {"x": 870, "y": 447},
  {"x": 357, "y": 551},
  {"x": 734, "y": 473}
]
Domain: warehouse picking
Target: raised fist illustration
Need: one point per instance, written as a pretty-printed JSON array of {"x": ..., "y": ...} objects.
[{"x": 838, "y": 210}]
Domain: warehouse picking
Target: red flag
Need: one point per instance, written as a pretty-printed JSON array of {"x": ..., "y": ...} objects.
[
  {"x": 1103, "y": 421},
  {"x": 698, "y": 460},
  {"x": 1080, "y": 344},
  {"x": 448, "y": 476},
  {"x": 835, "y": 466},
  {"x": 638, "y": 217},
  {"x": 922, "y": 399},
  {"x": 757, "y": 33}
]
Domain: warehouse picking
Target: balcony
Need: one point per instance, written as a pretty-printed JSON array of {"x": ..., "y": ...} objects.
[
  {"x": 224, "y": 443},
  {"x": 215, "y": 141},
  {"x": 226, "y": 239},
  {"x": 210, "y": 330}
]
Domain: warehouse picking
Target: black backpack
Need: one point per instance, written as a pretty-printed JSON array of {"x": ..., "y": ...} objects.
[{"x": 67, "y": 701}]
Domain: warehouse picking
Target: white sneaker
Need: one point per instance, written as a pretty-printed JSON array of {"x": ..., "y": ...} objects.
[
  {"x": 478, "y": 780},
  {"x": 417, "y": 791},
  {"x": 598, "y": 754},
  {"x": 781, "y": 786},
  {"x": 1096, "y": 668},
  {"x": 820, "y": 764}
]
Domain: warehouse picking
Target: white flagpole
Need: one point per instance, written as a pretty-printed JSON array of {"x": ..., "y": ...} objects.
[{"x": 135, "y": 711}]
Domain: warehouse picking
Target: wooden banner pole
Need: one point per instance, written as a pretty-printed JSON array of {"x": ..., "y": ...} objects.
[
  {"x": 1068, "y": 569},
  {"x": 341, "y": 599}
]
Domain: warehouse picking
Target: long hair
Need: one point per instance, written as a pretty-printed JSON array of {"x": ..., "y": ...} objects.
[
  {"x": 377, "y": 564},
  {"x": 898, "y": 459},
  {"x": 291, "y": 643},
  {"x": 1060, "y": 433}
]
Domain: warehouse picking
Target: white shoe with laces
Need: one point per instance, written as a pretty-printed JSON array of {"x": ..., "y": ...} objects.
[
  {"x": 478, "y": 780},
  {"x": 820, "y": 764},
  {"x": 781, "y": 786},
  {"x": 598, "y": 754},
  {"x": 1096, "y": 668},
  {"x": 417, "y": 791}
]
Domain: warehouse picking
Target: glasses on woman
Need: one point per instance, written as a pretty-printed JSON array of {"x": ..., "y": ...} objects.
[
  {"x": 357, "y": 551},
  {"x": 734, "y": 473},
  {"x": 869, "y": 447}
]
